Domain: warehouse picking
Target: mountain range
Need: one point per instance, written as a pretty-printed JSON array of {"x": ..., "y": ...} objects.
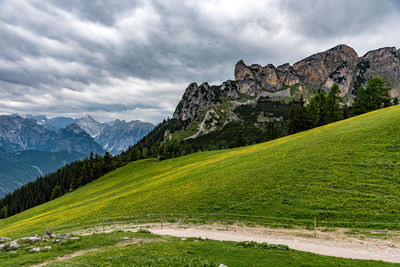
[
  {"x": 31, "y": 145},
  {"x": 114, "y": 136}
]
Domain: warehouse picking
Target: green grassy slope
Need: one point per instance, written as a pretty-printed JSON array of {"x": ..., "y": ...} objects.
[{"x": 347, "y": 171}]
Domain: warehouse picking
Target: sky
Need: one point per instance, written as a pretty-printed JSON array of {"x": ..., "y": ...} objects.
[{"x": 134, "y": 59}]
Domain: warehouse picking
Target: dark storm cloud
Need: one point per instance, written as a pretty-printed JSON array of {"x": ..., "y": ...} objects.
[{"x": 133, "y": 59}]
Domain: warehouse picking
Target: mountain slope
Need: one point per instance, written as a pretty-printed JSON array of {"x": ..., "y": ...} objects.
[
  {"x": 121, "y": 134},
  {"x": 74, "y": 138},
  {"x": 343, "y": 173},
  {"x": 90, "y": 125},
  {"x": 19, "y": 168}
]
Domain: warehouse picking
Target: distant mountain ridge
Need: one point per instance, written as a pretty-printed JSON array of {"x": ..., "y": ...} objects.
[
  {"x": 113, "y": 136},
  {"x": 121, "y": 134},
  {"x": 18, "y": 134}
]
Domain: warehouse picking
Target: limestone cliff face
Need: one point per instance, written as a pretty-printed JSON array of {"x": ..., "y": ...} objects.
[
  {"x": 196, "y": 99},
  {"x": 320, "y": 71}
]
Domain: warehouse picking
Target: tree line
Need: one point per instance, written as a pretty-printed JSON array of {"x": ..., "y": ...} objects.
[
  {"x": 322, "y": 109},
  {"x": 327, "y": 108}
]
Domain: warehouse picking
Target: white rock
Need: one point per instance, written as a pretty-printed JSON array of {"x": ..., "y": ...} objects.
[
  {"x": 4, "y": 239},
  {"x": 40, "y": 249},
  {"x": 13, "y": 245},
  {"x": 75, "y": 238}
]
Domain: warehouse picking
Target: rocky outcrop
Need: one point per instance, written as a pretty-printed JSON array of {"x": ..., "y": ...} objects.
[
  {"x": 340, "y": 65},
  {"x": 196, "y": 99}
]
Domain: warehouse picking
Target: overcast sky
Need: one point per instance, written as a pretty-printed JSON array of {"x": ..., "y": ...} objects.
[{"x": 133, "y": 59}]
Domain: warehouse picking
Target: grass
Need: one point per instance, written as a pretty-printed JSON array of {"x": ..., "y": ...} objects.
[
  {"x": 145, "y": 249},
  {"x": 198, "y": 252},
  {"x": 101, "y": 241},
  {"x": 346, "y": 174}
]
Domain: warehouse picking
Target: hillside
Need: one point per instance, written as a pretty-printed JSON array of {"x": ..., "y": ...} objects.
[
  {"x": 344, "y": 173},
  {"x": 19, "y": 168}
]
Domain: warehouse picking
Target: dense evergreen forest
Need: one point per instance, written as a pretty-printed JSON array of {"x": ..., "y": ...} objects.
[{"x": 322, "y": 109}]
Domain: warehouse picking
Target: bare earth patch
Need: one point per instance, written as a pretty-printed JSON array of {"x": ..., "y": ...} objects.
[
  {"x": 337, "y": 243},
  {"x": 66, "y": 257}
]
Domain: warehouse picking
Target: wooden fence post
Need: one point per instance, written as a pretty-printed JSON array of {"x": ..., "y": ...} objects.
[{"x": 315, "y": 227}]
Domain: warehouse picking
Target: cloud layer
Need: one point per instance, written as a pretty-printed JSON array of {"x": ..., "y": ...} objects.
[{"x": 133, "y": 59}]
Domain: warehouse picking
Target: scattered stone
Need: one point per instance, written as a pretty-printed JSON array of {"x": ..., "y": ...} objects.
[
  {"x": 125, "y": 238},
  {"x": 9, "y": 246},
  {"x": 75, "y": 238},
  {"x": 13, "y": 252},
  {"x": 222, "y": 265},
  {"x": 4, "y": 239},
  {"x": 64, "y": 236},
  {"x": 13, "y": 245},
  {"x": 40, "y": 249},
  {"x": 183, "y": 238}
]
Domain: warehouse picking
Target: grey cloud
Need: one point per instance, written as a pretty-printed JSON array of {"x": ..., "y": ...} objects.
[
  {"x": 89, "y": 56},
  {"x": 330, "y": 19}
]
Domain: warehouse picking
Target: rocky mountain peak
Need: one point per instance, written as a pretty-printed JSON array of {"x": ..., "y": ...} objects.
[
  {"x": 340, "y": 64},
  {"x": 73, "y": 128}
]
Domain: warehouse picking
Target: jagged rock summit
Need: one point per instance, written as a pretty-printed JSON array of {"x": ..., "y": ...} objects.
[{"x": 340, "y": 64}]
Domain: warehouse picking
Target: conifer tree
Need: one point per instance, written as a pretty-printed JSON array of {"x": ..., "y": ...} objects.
[
  {"x": 240, "y": 140},
  {"x": 3, "y": 212},
  {"x": 316, "y": 113},
  {"x": 333, "y": 107},
  {"x": 375, "y": 96},
  {"x": 57, "y": 192}
]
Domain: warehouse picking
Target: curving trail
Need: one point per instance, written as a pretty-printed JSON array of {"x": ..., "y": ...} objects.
[{"x": 332, "y": 243}]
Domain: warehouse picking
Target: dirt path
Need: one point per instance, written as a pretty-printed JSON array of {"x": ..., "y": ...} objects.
[
  {"x": 66, "y": 257},
  {"x": 335, "y": 243}
]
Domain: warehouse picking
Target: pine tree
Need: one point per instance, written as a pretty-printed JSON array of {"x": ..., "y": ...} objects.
[
  {"x": 316, "y": 113},
  {"x": 374, "y": 96},
  {"x": 240, "y": 140},
  {"x": 76, "y": 179},
  {"x": 57, "y": 192},
  {"x": 297, "y": 121},
  {"x": 134, "y": 154},
  {"x": 333, "y": 107},
  {"x": 3, "y": 212},
  {"x": 107, "y": 162}
]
